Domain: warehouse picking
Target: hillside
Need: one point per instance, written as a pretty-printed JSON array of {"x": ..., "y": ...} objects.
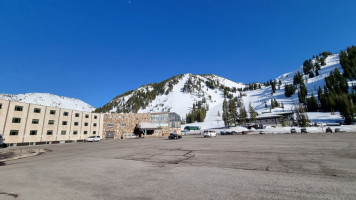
[
  {"x": 176, "y": 94},
  {"x": 179, "y": 93},
  {"x": 47, "y": 99}
]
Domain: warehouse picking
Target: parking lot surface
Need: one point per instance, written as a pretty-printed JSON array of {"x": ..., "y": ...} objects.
[{"x": 283, "y": 166}]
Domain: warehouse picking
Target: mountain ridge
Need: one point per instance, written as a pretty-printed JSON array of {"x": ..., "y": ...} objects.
[
  {"x": 48, "y": 99},
  {"x": 179, "y": 93}
]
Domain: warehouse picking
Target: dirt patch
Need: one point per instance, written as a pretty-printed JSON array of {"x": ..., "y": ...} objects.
[{"x": 14, "y": 154}]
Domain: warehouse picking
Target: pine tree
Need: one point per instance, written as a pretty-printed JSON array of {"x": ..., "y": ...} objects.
[
  {"x": 302, "y": 92},
  {"x": 302, "y": 117},
  {"x": 312, "y": 104},
  {"x": 289, "y": 90},
  {"x": 253, "y": 113},
  {"x": 347, "y": 110},
  {"x": 226, "y": 113},
  {"x": 232, "y": 112},
  {"x": 242, "y": 115},
  {"x": 274, "y": 86}
]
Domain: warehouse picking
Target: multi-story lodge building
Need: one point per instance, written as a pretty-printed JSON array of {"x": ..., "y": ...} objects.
[
  {"x": 24, "y": 123},
  {"x": 27, "y": 124}
]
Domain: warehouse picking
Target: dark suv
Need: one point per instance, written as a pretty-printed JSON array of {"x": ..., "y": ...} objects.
[
  {"x": 303, "y": 130},
  {"x": 174, "y": 136},
  {"x": 2, "y": 144}
]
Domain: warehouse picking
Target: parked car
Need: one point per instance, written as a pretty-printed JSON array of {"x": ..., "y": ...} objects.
[
  {"x": 2, "y": 143},
  {"x": 95, "y": 138},
  {"x": 328, "y": 130},
  {"x": 338, "y": 130},
  {"x": 228, "y": 133},
  {"x": 184, "y": 132},
  {"x": 261, "y": 132},
  {"x": 293, "y": 130},
  {"x": 209, "y": 133},
  {"x": 303, "y": 130},
  {"x": 174, "y": 136}
]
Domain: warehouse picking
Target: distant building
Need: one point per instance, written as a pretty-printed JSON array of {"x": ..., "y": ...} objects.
[
  {"x": 127, "y": 125},
  {"x": 275, "y": 119},
  {"x": 31, "y": 124}
]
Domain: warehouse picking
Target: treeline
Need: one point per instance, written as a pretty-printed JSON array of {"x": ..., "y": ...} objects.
[
  {"x": 235, "y": 113},
  {"x": 335, "y": 95},
  {"x": 348, "y": 62},
  {"x": 311, "y": 67},
  {"x": 198, "y": 112}
]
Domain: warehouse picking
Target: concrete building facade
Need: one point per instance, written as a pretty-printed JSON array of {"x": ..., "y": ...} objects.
[{"x": 23, "y": 124}]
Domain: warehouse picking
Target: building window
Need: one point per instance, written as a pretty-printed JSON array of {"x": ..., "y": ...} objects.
[
  {"x": 86, "y": 124},
  {"x": 50, "y": 121},
  {"x": 14, "y": 132},
  {"x": 86, "y": 116},
  {"x": 123, "y": 124},
  {"x": 94, "y": 124},
  {"x": 76, "y": 123},
  {"x": 65, "y": 113},
  {"x": 33, "y": 132},
  {"x": 18, "y": 108},
  {"x": 85, "y": 132},
  {"x": 16, "y": 120},
  {"x": 0, "y": 105},
  {"x": 49, "y": 132},
  {"x": 110, "y": 125},
  {"x": 52, "y": 112},
  {"x": 63, "y": 132},
  {"x": 37, "y": 110},
  {"x": 76, "y": 114},
  {"x": 75, "y": 132},
  {"x": 64, "y": 123},
  {"x": 95, "y": 117},
  {"x": 35, "y": 121},
  {"x": 94, "y": 132}
]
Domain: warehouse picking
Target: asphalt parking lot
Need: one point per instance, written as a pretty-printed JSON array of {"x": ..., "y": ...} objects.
[{"x": 282, "y": 166}]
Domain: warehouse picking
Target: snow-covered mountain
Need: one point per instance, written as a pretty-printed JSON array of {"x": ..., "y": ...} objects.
[
  {"x": 179, "y": 93},
  {"x": 258, "y": 97},
  {"x": 47, "y": 99}
]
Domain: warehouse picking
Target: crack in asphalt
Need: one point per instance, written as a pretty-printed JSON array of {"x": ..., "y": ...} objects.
[
  {"x": 187, "y": 156},
  {"x": 9, "y": 194}
]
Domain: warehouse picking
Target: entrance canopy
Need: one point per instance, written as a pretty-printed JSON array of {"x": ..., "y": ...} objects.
[{"x": 147, "y": 126}]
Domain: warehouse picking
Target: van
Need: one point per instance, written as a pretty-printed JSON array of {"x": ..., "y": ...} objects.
[{"x": 209, "y": 133}]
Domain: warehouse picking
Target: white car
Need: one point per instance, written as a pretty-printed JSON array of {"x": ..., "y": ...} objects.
[
  {"x": 93, "y": 139},
  {"x": 209, "y": 133}
]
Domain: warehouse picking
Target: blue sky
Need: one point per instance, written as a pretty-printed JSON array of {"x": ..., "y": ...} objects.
[{"x": 95, "y": 50}]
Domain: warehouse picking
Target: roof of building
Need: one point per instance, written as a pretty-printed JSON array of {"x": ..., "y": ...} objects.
[{"x": 273, "y": 115}]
